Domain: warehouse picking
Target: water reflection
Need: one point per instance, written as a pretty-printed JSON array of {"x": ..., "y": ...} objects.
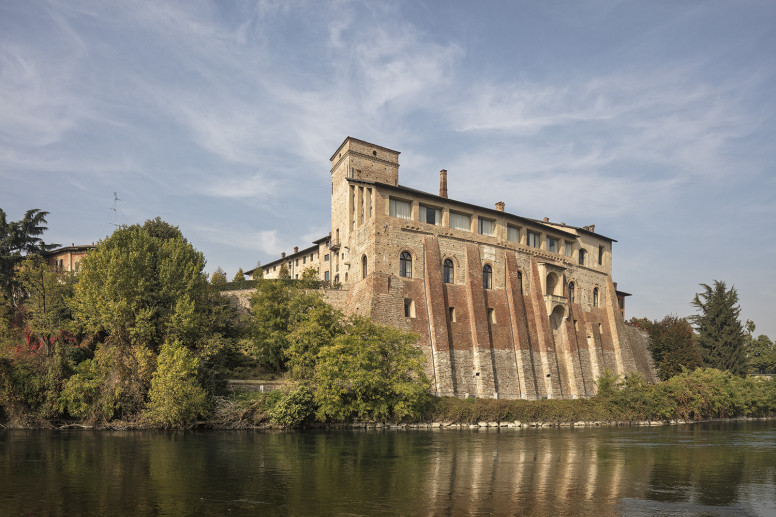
[{"x": 705, "y": 469}]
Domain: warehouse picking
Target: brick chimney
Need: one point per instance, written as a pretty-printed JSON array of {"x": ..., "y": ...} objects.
[
  {"x": 443, "y": 183},
  {"x": 283, "y": 254},
  {"x": 500, "y": 206},
  {"x": 592, "y": 227},
  {"x": 296, "y": 249}
]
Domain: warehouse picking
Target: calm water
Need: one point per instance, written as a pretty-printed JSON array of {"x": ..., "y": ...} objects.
[{"x": 702, "y": 469}]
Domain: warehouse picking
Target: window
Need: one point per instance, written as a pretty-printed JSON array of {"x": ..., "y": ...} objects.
[
  {"x": 569, "y": 249},
  {"x": 486, "y": 226},
  {"x": 361, "y": 195},
  {"x": 582, "y": 254},
  {"x": 304, "y": 259},
  {"x": 401, "y": 209},
  {"x": 451, "y": 312},
  {"x": 520, "y": 281},
  {"x": 430, "y": 215},
  {"x": 487, "y": 277},
  {"x": 571, "y": 292},
  {"x": 369, "y": 201},
  {"x": 409, "y": 308},
  {"x": 336, "y": 279},
  {"x": 405, "y": 264},
  {"x": 533, "y": 239},
  {"x": 552, "y": 244},
  {"x": 326, "y": 275},
  {"x": 595, "y": 297},
  {"x": 353, "y": 204},
  {"x": 460, "y": 221},
  {"x": 363, "y": 267},
  {"x": 326, "y": 258},
  {"x": 513, "y": 234},
  {"x": 600, "y": 255},
  {"x": 491, "y": 315},
  {"x": 449, "y": 272}
]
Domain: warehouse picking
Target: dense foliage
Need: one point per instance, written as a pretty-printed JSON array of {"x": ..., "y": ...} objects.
[
  {"x": 673, "y": 347},
  {"x": 19, "y": 239},
  {"x": 720, "y": 333}
]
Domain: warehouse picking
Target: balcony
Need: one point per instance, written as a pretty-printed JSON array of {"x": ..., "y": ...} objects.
[{"x": 552, "y": 301}]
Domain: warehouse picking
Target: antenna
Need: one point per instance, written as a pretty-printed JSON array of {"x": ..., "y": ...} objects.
[{"x": 115, "y": 209}]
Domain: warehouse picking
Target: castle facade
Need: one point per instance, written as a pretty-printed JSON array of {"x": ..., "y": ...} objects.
[{"x": 505, "y": 306}]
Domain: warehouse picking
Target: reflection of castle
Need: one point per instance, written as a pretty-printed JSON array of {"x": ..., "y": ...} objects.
[{"x": 505, "y": 306}]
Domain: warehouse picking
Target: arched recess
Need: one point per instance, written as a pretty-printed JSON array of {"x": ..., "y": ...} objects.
[
  {"x": 556, "y": 317},
  {"x": 572, "y": 291},
  {"x": 553, "y": 284}
]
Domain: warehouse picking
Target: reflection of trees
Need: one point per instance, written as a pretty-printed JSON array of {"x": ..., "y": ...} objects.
[{"x": 544, "y": 472}]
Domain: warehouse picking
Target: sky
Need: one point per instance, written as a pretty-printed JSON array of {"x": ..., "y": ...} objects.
[{"x": 654, "y": 121}]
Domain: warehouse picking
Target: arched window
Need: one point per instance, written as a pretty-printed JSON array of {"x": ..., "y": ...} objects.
[
  {"x": 449, "y": 272},
  {"x": 405, "y": 264},
  {"x": 571, "y": 292},
  {"x": 595, "y": 297},
  {"x": 363, "y": 267},
  {"x": 487, "y": 277},
  {"x": 582, "y": 254}
]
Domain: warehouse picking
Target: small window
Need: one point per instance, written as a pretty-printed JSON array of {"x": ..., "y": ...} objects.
[
  {"x": 491, "y": 316},
  {"x": 369, "y": 201},
  {"x": 595, "y": 297},
  {"x": 409, "y": 308},
  {"x": 430, "y": 215},
  {"x": 460, "y": 221},
  {"x": 326, "y": 258},
  {"x": 571, "y": 292},
  {"x": 513, "y": 234},
  {"x": 274, "y": 268},
  {"x": 449, "y": 272},
  {"x": 304, "y": 259},
  {"x": 582, "y": 255},
  {"x": 336, "y": 279},
  {"x": 326, "y": 275},
  {"x": 520, "y": 281},
  {"x": 486, "y": 226},
  {"x": 600, "y": 255},
  {"x": 532, "y": 239},
  {"x": 451, "y": 312},
  {"x": 296, "y": 277},
  {"x": 399, "y": 208},
  {"x": 487, "y": 277},
  {"x": 405, "y": 264},
  {"x": 297, "y": 262},
  {"x": 569, "y": 249},
  {"x": 363, "y": 267},
  {"x": 552, "y": 244}
]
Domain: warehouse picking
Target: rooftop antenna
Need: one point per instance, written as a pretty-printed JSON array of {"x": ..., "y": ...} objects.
[{"x": 115, "y": 209}]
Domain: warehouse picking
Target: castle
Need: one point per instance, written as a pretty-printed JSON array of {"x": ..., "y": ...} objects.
[{"x": 505, "y": 306}]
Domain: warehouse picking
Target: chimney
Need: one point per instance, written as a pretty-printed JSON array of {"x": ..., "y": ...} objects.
[
  {"x": 443, "y": 183},
  {"x": 592, "y": 227},
  {"x": 546, "y": 219},
  {"x": 500, "y": 206},
  {"x": 296, "y": 249},
  {"x": 283, "y": 254}
]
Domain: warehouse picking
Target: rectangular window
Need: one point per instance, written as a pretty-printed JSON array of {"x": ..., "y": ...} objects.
[
  {"x": 297, "y": 262},
  {"x": 492, "y": 315},
  {"x": 569, "y": 249},
  {"x": 409, "y": 308},
  {"x": 369, "y": 201},
  {"x": 451, "y": 311},
  {"x": 533, "y": 239},
  {"x": 326, "y": 275},
  {"x": 460, "y": 221},
  {"x": 486, "y": 226},
  {"x": 600, "y": 255},
  {"x": 326, "y": 258},
  {"x": 513, "y": 234},
  {"x": 361, "y": 195},
  {"x": 552, "y": 244},
  {"x": 399, "y": 208},
  {"x": 430, "y": 215},
  {"x": 353, "y": 204},
  {"x": 304, "y": 259}
]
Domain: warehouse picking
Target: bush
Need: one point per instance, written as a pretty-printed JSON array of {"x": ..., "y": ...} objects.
[{"x": 294, "y": 409}]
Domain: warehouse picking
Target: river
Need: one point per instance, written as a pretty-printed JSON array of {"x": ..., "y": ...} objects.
[{"x": 699, "y": 469}]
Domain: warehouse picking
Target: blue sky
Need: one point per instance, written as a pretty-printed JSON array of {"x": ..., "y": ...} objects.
[{"x": 652, "y": 120}]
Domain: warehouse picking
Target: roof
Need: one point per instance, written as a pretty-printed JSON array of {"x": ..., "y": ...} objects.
[
  {"x": 72, "y": 248},
  {"x": 362, "y": 142},
  {"x": 288, "y": 257},
  {"x": 556, "y": 227}
]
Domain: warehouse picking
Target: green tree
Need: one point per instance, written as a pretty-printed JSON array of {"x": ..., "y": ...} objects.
[
  {"x": 315, "y": 326},
  {"x": 218, "y": 278},
  {"x": 162, "y": 230},
  {"x": 17, "y": 240},
  {"x": 673, "y": 347},
  {"x": 239, "y": 276},
  {"x": 370, "y": 372},
  {"x": 761, "y": 354},
  {"x": 720, "y": 333},
  {"x": 270, "y": 315},
  {"x": 176, "y": 398}
]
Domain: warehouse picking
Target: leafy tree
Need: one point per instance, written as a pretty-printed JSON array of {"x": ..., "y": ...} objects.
[
  {"x": 315, "y": 326},
  {"x": 270, "y": 315},
  {"x": 761, "y": 354},
  {"x": 162, "y": 230},
  {"x": 283, "y": 274},
  {"x": 370, "y": 372},
  {"x": 218, "y": 278},
  {"x": 239, "y": 276},
  {"x": 176, "y": 398},
  {"x": 720, "y": 333},
  {"x": 17, "y": 240},
  {"x": 673, "y": 346}
]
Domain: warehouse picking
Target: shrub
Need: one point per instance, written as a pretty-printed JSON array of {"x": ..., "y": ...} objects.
[{"x": 294, "y": 409}]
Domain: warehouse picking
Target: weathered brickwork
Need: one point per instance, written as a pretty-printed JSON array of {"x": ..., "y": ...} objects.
[{"x": 524, "y": 308}]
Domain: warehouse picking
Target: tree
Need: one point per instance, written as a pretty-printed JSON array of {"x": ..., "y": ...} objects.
[
  {"x": 162, "y": 230},
  {"x": 720, "y": 333},
  {"x": 316, "y": 325},
  {"x": 17, "y": 240},
  {"x": 761, "y": 354},
  {"x": 271, "y": 312},
  {"x": 673, "y": 346},
  {"x": 239, "y": 276},
  {"x": 218, "y": 278},
  {"x": 370, "y": 372}
]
